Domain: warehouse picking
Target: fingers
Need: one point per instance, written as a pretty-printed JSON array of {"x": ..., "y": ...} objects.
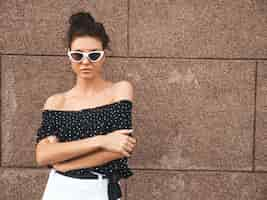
[
  {"x": 126, "y": 152},
  {"x": 127, "y": 131},
  {"x": 131, "y": 145},
  {"x": 131, "y": 140},
  {"x": 128, "y": 149}
]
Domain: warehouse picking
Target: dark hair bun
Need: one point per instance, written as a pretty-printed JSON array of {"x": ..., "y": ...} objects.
[
  {"x": 84, "y": 24},
  {"x": 81, "y": 18}
]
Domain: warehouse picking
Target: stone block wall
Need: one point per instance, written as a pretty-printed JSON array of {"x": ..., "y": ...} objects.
[{"x": 199, "y": 70}]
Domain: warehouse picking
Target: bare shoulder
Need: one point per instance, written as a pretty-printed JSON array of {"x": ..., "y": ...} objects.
[
  {"x": 123, "y": 90},
  {"x": 54, "y": 101}
]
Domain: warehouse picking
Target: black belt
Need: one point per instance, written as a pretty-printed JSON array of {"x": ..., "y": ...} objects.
[{"x": 114, "y": 190}]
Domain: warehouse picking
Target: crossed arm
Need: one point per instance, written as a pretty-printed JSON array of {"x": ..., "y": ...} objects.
[{"x": 91, "y": 159}]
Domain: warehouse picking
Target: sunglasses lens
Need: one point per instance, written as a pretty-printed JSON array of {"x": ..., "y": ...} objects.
[
  {"x": 76, "y": 56},
  {"x": 94, "y": 56}
]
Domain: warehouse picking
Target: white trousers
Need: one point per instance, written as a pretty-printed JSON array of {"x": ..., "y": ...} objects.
[{"x": 60, "y": 187}]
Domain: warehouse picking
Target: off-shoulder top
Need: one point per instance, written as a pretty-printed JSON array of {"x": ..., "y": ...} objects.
[{"x": 70, "y": 125}]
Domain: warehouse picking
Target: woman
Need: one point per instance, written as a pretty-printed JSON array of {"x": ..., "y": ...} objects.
[{"x": 85, "y": 135}]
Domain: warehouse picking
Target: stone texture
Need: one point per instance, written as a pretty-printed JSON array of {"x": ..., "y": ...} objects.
[
  {"x": 198, "y": 28},
  {"x": 173, "y": 185},
  {"x": 17, "y": 184},
  {"x": 192, "y": 114},
  {"x": 261, "y": 186},
  {"x": 261, "y": 118},
  {"x": 27, "y": 82},
  {"x": 39, "y": 27}
]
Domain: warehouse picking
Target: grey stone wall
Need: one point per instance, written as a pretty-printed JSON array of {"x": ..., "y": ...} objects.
[{"x": 199, "y": 69}]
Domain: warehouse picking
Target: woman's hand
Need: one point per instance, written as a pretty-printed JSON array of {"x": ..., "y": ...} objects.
[{"x": 119, "y": 141}]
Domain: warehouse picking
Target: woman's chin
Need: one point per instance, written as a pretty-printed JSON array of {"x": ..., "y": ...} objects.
[{"x": 86, "y": 75}]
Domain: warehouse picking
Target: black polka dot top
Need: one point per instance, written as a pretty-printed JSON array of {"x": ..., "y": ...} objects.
[{"x": 69, "y": 125}]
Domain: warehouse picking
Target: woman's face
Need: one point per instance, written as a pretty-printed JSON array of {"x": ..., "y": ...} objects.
[{"x": 86, "y": 68}]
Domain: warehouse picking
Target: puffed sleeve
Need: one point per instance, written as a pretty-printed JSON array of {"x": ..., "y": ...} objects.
[
  {"x": 47, "y": 127},
  {"x": 122, "y": 117}
]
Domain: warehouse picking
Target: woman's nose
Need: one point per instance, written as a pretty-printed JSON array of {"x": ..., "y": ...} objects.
[{"x": 86, "y": 60}]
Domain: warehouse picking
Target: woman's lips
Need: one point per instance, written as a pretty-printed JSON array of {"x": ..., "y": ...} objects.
[{"x": 86, "y": 70}]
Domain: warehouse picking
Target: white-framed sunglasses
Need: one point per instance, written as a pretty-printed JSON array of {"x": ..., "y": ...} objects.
[{"x": 79, "y": 56}]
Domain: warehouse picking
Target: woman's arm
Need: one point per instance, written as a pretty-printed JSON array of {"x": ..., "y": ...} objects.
[
  {"x": 48, "y": 153},
  {"x": 91, "y": 159}
]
